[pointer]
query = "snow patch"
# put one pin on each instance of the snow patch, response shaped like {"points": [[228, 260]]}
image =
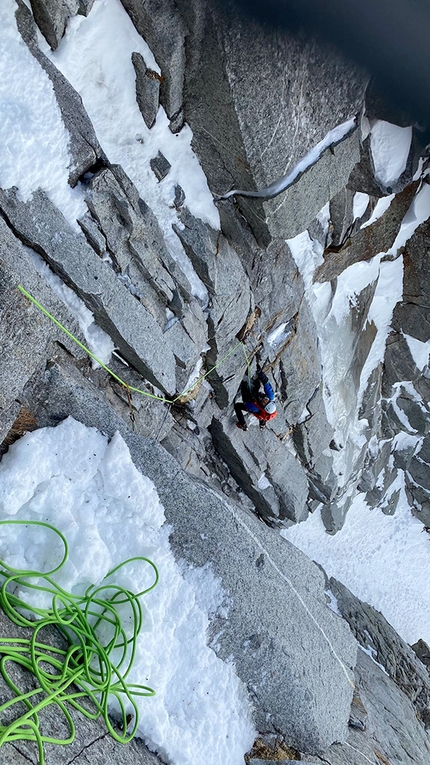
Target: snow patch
{"points": [[418, 213], [390, 146], [381, 206], [278, 335], [35, 143], [419, 351], [263, 482], [360, 204], [95, 56]]}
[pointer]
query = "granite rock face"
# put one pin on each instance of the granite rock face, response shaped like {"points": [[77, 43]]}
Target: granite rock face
{"points": [[218, 483], [116, 310], [278, 652], [27, 337], [162, 27], [147, 89], [51, 17], [392, 733], [389, 713], [397, 658], [247, 135]]}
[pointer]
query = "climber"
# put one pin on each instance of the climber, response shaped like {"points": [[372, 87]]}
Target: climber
{"points": [[261, 405]]}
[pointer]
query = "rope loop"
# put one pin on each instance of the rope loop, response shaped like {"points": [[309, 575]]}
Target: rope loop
{"points": [[94, 664]]}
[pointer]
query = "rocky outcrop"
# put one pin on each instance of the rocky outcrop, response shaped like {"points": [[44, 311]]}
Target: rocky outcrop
{"points": [[247, 135], [51, 17], [367, 241], [397, 658], [406, 387], [295, 655], [390, 709], [116, 310], [147, 89], [392, 734], [27, 336], [163, 29]]}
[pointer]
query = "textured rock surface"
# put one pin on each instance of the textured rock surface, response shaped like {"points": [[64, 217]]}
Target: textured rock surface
{"points": [[162, 28], [116, 310], [248, 136], [147, 89], [281, 669], [121, 266], [405, 387], [393, 734], [51, 17], [370, 240], [219, 267], [27, 336], [389, 713], [396, 657]]}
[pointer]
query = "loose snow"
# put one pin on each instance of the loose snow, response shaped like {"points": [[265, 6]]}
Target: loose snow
{"points": [[71, 477], [382, 559], [34, 141]]}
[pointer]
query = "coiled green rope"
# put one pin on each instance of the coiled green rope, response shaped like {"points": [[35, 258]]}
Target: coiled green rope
{"points": [[88, 668]]}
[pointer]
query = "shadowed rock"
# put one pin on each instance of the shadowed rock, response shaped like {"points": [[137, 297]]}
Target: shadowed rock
{"points": [[368, 241], [147, 89]]}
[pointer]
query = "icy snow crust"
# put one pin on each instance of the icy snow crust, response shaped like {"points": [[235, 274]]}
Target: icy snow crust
{"points": [[390, 146], [71, 477]]}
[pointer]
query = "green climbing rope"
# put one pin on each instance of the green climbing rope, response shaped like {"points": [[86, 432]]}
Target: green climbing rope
{"points": [[115, 376], [91, 669]]}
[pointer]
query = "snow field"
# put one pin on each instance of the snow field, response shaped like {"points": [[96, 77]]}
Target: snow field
{"points": [[383, 559], [71, 477]]}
